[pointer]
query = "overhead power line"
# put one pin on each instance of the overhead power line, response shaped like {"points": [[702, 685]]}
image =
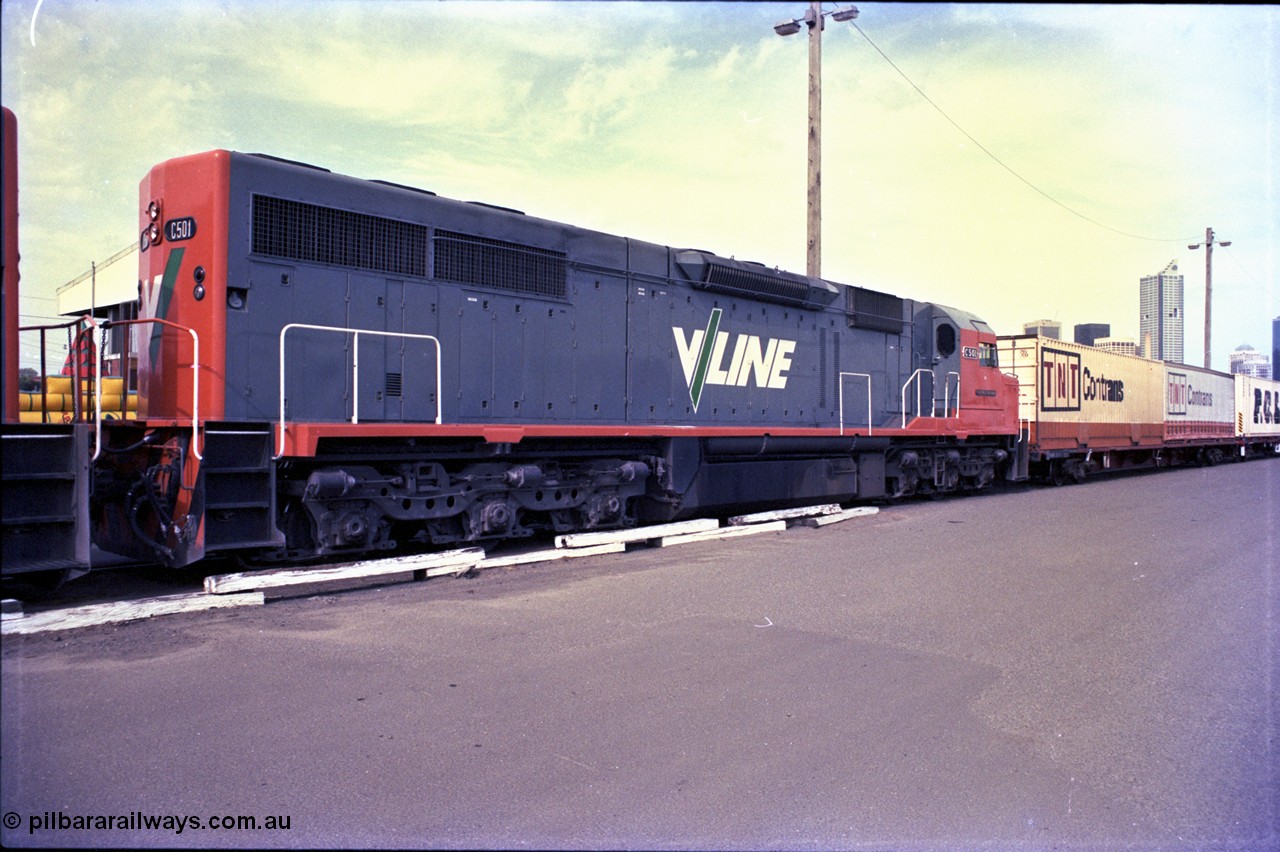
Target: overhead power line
{"points": [[1254, 282], [1003, 164]]}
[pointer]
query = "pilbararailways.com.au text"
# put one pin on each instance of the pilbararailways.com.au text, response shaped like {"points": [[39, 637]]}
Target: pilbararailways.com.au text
{"points": [[140, 821]]}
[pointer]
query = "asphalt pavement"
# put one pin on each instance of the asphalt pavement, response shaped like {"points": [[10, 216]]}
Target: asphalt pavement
{"points": [[1091, 666]]}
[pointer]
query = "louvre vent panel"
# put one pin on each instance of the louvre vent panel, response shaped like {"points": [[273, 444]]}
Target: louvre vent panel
{"points": [[295, 230], [876, 311], [499, 264], [739, 282]]}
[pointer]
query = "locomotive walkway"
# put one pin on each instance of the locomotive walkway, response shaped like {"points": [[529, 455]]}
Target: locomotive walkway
{"points": [[1090, 666]]}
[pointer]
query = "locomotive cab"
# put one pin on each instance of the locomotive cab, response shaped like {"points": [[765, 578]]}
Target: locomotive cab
{"points": [[955, 356], [956, 352]]}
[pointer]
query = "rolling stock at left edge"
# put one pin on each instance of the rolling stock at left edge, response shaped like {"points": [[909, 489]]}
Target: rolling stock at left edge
{"points": [[330, 366]]}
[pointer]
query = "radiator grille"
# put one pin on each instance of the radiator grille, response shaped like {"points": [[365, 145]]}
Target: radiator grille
{"points": [[295, 230], [869, 309], [740, 282], [500, 264]]}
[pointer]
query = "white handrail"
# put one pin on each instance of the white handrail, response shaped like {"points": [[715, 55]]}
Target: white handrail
{"points": [[906, 385], [866, 376], [946, 393], [195, 386], [355, 365]]}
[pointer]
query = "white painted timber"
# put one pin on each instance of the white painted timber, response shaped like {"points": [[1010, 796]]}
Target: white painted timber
{"points": [[548, 554], [724, 532], [116, 612], [784, 514], [590, 539], [433, 564], [859, 512]]}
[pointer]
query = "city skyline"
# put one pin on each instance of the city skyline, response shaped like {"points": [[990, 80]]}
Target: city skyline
{"points": [[684, 124]]}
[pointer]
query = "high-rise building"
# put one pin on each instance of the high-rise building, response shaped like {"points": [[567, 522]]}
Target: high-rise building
{"points": [[1160, 315], [1275, 349], [1089, 332], [1248, 361], [1123, 345], [1044, 328]]}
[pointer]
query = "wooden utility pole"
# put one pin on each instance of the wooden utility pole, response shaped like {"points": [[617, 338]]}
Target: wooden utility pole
{"points": [[813, 19], [1208, 286], [813, 265]]}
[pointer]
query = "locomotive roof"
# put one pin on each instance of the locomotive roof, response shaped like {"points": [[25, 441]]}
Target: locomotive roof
{"points": [[817, 291]]}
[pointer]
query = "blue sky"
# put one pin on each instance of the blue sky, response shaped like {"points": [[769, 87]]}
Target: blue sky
{"points": [[684, 124]]}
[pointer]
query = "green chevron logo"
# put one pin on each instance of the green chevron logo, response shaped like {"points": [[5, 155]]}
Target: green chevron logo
{"points": [[158, 299], [699, 378]]}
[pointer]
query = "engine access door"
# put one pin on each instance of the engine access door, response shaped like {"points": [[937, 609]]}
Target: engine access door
{"points": [[391, 364]]}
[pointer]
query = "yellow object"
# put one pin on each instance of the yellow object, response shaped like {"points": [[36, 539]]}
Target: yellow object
{"points": [[62, 384], [60, 416], [36, 401]]}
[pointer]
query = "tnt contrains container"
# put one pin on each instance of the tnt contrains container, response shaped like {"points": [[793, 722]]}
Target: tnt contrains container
{"points": [[1258, 412], [1082, 408], [1199, 406]]}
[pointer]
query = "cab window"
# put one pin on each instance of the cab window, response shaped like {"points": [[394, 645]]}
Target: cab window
{"points": [[946, 340], [987, 356]]}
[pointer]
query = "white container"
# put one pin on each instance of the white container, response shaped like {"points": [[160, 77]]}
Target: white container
{"points": [[1074, 396], [1199, 405], [1257, 407]]}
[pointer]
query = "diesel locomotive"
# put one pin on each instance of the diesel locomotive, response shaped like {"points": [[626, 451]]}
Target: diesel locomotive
{"points": [[329, 366]]}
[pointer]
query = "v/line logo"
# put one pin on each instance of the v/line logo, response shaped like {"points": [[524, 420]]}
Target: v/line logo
{"points": [[703, 351]]}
